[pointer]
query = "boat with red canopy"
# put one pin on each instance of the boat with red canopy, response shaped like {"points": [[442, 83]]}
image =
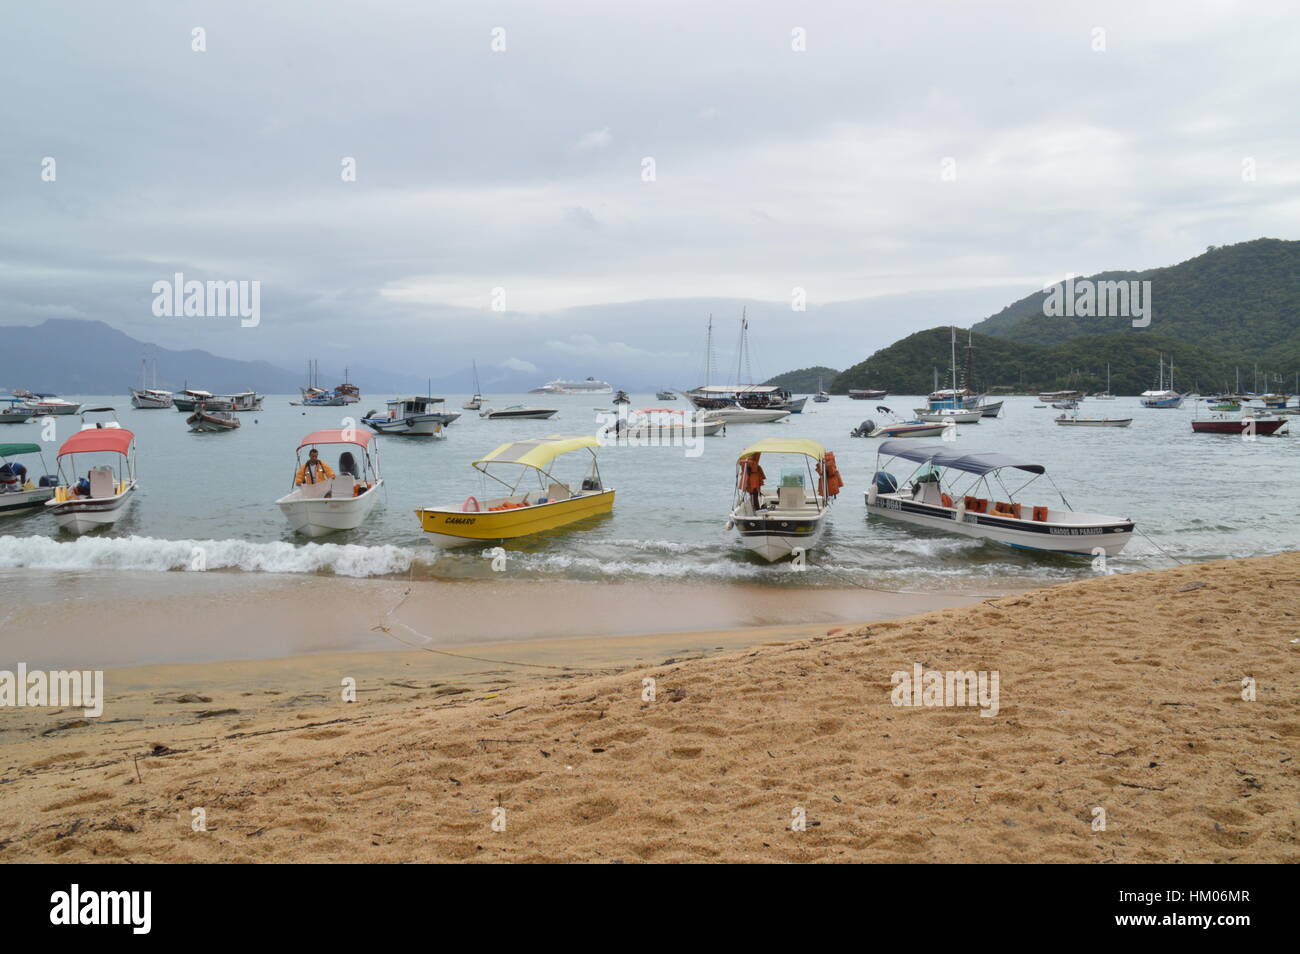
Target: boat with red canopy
{"points": [[325, 500], [100, 497]]}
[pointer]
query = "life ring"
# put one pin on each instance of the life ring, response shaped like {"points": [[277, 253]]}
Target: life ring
{"points": [[465, 507]]}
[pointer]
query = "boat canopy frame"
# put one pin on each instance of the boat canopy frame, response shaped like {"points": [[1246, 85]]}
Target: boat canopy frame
{"points": [[100, 440], [353, 437], [937, 460], [545, 455], [813, 454]]}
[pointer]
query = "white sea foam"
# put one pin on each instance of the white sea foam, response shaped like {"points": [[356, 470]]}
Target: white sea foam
{"points": [[148, 553]]}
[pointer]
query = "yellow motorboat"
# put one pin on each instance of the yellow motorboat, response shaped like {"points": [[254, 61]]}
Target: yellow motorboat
{"points": [[519, 513]]}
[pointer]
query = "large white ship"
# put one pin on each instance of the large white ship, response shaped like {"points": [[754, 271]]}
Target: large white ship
{"points": [[589, 386]]}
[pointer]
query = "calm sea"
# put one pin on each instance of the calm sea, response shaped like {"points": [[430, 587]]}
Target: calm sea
{"points": [[1198, 497]]}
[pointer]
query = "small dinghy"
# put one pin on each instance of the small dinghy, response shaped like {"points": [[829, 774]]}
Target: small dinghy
{"points": [[323, 501], [203, 421], [1074, 420]]}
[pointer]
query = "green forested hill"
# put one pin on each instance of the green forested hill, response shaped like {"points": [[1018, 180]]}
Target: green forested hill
{"points": [[1240, 302], [804, 381], [907, 366]]}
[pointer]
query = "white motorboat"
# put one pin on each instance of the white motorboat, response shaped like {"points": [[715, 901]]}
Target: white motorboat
{"points": [[518, 411], [417, 416], [896, 427], [324, 501], [47, 405], [658, 424], [778, 518], [742, 415], [923, 500], [101, 497], [18, 492]]}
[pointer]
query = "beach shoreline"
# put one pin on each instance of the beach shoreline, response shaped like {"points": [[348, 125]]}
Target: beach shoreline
{"points": [[1121, 693]]}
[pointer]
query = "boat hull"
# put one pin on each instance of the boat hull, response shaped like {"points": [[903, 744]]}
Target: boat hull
{"points": [[957, 417], [1077, 539], [23, 501], [743, 415], [321, 516], [448, 527], [776, 537], [1096, 422], [532, 415], [84, 514], [910, 430], [423, 425], [1238, 427]]}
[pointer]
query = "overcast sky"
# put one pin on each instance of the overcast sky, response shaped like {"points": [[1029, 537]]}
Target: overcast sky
{"points": [[523, 169]]}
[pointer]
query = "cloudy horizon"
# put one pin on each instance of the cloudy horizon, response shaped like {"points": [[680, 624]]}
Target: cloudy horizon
{"points": [[902, 171]]}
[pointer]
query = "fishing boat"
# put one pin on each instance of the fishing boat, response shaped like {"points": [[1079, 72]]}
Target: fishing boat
{"points": [[476, 402], [242, 401], [416, 416], [1060, 397], [659, 424], [941, 494], [325, 501], [187, 399], [775, 519], [203, 421], [518, 513], [867, 394], [1163, 397], [665, 396], [101, 497], [516, 412], [16, 412], [1074, 420], [18, 492], [735, 414], [896, 427]]}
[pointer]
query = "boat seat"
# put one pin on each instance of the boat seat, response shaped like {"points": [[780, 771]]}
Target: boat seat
{"points": [[1007, 509], [791, 498], [343, 484], [102, 483], [316, 490], [945, 499], [976, 504], [1040, 514], [558, 492]]}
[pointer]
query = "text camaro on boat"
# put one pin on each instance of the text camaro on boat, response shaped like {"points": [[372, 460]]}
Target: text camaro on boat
{"points": [[519, 513], [324, 500], [942, 494]]}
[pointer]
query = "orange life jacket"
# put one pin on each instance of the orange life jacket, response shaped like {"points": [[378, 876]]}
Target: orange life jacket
{"points": [[751, 475], [829, 481]]}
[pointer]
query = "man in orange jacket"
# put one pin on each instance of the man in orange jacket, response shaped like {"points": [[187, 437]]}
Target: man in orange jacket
{"points": [[314, 470]]}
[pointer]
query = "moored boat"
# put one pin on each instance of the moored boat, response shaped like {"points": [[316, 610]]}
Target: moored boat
{"points": [[324, 501], [1245, 425], [551, 505], [49, 405], [734, 414], [659, 424], [896, 427], [517, 411], [949, 415], [416, 416], [923, 500], [101, 497], [204, 421], [778, 518], [867, 394], [1074, 420], [19, 493]]}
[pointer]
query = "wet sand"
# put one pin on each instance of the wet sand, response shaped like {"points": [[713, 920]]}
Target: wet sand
{"points": [[1120, 693], [114, 618]]}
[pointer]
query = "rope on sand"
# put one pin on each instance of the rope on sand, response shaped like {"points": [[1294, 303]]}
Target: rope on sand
{"points": [[387, 630]]}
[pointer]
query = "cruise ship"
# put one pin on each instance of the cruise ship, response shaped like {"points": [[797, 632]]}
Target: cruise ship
{"points": [[589, 386]]}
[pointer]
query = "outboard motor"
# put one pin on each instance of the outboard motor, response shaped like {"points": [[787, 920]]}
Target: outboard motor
{"points": [[863, 430], [884, 482], [49, 480], [348, 465]]}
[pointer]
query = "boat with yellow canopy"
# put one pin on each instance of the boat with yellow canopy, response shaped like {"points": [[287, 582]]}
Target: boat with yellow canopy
{"points": [[786, 516], [521, 512]]}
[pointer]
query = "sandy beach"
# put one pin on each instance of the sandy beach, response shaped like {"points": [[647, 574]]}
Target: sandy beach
{"points": [[1120, 694]]}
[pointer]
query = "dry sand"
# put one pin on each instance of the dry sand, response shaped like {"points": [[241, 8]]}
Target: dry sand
{"points": [[1122, 693]]}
